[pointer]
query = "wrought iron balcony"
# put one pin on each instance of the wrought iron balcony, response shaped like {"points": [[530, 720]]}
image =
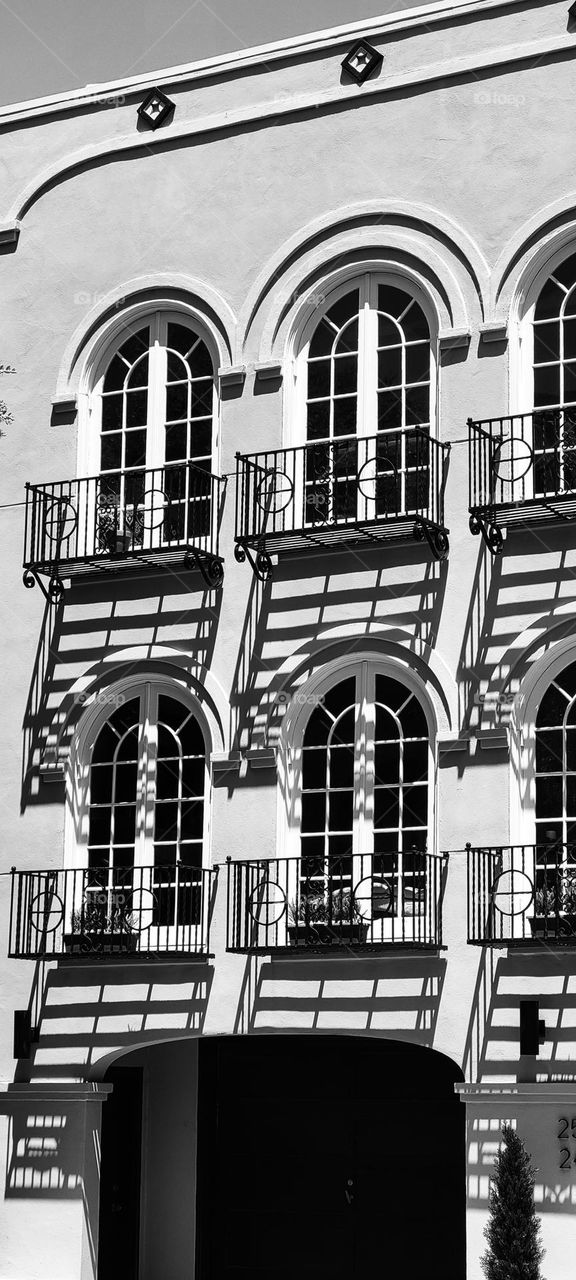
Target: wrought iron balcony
{"points": [[147, 911], [365, 491], [522, 471], [520, 894], [356, 903], [122, 523]]}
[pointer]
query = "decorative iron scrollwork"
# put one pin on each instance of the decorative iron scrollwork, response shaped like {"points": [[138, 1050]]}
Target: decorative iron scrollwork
{"points": [[491, 534], [436, 538]]}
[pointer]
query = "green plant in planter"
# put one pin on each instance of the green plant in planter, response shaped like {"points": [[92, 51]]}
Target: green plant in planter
{"points": [[97, 917], [568, 891]]}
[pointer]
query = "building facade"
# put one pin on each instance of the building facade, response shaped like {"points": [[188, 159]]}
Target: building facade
{"points": [[289, 735]]}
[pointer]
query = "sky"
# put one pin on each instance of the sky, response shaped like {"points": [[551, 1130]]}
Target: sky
{"points": [[48, 46]]}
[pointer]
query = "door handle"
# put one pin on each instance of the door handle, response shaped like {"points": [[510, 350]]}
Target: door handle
{"points": [[349, 1190]]}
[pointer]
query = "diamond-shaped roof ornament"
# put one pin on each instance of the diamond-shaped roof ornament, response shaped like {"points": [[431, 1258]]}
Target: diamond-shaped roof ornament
{"points": [[362, 61], [155, 109]]}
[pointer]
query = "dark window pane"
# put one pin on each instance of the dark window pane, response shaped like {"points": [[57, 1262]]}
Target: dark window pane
{"points": [[177, 368], [201, 439], [418, 363], [105, 745], [168, 778], [571, 796], [342, 767], [546, 342], [552, 707], [128, 749], [547, 384], [115, 374], [567, 680], [390, 368], [549, 301], [135, 345], [345, 374], [135, 448], [318, 422], [313, 811], [339, 698], [192, 820], [112, 412], [415, 761], [136, 408], [139, 374], [417, 405], [176, 401], [386, 807], [101, 784], [549, 754], [565, 272], [318, 379], [201, 361], [549, 797], [313, 767], [569, 383], [166, 821], [415, 324], [168, 744], [391, 300], [193, 775], [125, 788], [111, 452], [323, 339], [345, 416], [124, 824], [100, 820], [570, 751], [348, 340], [415, 807], [413, 719], [202, 400], [386, 725], [389, 410], [192, 738], [387, 762], [176, 442], [389, 332]]}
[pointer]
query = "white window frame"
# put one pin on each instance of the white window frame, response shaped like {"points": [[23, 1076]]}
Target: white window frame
{"points": [[367, 282]]}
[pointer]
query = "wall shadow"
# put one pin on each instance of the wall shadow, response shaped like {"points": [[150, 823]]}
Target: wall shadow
{"points": [[396, 996], [174, 608]]}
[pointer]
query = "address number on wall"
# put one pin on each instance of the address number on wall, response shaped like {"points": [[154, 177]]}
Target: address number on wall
{"points": [[567, 1132]]}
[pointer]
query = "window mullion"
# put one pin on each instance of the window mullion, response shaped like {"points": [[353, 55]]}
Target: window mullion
{"points": [[146, 794], [367, 362], [155, 444], [364, 779]]}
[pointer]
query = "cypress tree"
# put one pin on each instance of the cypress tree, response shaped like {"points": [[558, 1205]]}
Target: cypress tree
{"points": [[513, 1230]]}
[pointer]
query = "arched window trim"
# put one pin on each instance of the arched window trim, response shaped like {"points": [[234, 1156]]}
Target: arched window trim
{"points": [[521, 389], [292, 736], [101, 351], [77, 784], [327, 293]]}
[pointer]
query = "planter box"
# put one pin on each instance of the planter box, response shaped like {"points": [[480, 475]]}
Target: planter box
{"points": [[326, 935], [553, 926], [99, 943]]}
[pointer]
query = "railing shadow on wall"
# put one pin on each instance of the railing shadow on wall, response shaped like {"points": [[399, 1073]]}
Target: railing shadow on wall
{"points": [[396, 996], [547, 974], [89, 1011], [510, 591], [393, 588], [89, 621]]}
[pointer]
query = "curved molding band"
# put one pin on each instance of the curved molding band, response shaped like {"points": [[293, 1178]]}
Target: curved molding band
{"points": [[113, 309], [414, 229], [527, 252]]}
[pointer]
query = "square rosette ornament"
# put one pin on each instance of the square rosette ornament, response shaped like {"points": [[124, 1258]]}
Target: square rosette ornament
{"points": [[156, 109], [362, 61]]}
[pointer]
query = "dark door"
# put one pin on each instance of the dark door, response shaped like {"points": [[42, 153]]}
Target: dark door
{"points": [[119, 1230], [323, 1157]]}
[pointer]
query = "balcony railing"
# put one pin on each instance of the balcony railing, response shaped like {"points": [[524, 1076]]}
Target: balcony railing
{"points": [[356, 903], [522, 471], [519, 894], [364, 491], [123, 523], [92, 912]]}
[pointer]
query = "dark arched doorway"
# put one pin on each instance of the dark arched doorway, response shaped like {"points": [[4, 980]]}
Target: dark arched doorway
{"points": [[329, 1157]]}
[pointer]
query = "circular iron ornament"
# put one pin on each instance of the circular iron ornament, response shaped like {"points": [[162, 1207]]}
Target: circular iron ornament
{"points": [[46, 912], [267, 903], [374, 897], [512, 459], [275, 492], [138, 910], [371, 472], [152, 509], [61, 519], [512, 892]]}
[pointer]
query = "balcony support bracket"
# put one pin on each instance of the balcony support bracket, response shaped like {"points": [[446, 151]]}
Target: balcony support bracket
{"points": [[261, 563], [492, 535], [211, 568], [53, 592], [436, 537]]}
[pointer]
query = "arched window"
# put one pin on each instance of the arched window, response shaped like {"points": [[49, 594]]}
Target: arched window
{"points": [[367, 372], [365, 791], [556, 785], [152, 427], [554, 369], [145, 804]]}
